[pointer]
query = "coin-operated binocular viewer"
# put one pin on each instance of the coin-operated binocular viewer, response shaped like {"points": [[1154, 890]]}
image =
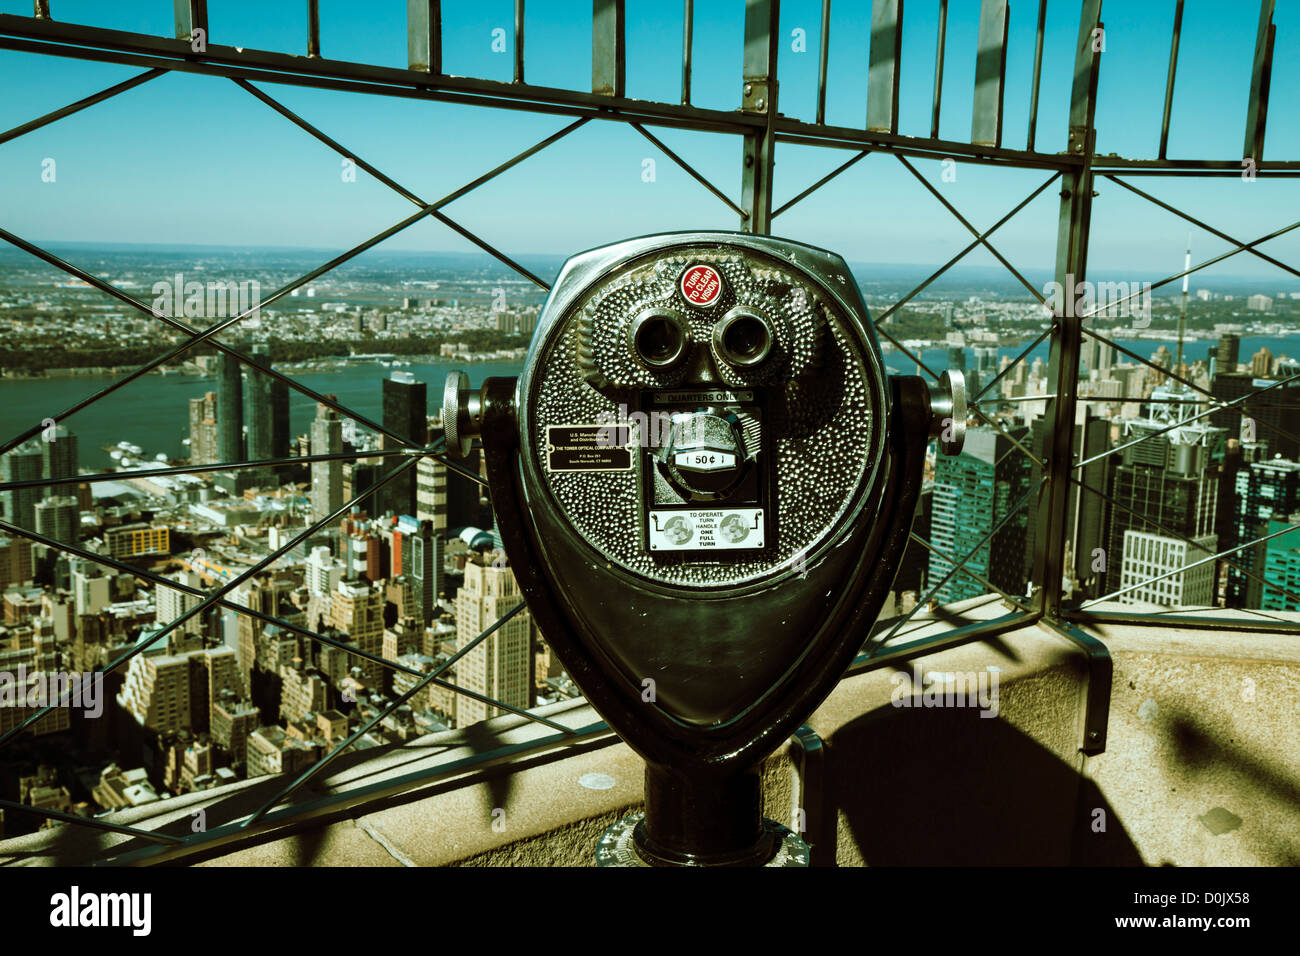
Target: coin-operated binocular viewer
{"points": [[705, 482]]}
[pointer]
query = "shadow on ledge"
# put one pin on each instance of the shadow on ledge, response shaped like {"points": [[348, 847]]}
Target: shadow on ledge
{"points": [[943, 786]]}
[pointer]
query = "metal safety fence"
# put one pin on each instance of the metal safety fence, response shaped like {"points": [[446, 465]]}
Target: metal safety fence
{"points": [[1058, 465]]}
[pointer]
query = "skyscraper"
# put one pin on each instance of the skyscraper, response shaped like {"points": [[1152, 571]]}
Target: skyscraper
{"points": [[405, 413], [1170, 478], [15, 560], [500, 666], [973, 492], [449, 500], [59, 459], [1156, 569], [1227, 354], [422, 565], [203, 430], [267, 411], [23, 463], [357, 609], [1273, 417], [157, 692], [171, 603], [230, 409], [326, 476], [1266, 491], [1281, 567], [59, 517]]}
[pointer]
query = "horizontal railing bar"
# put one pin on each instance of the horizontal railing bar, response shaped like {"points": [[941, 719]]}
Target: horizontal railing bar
{"points": [[361, 455], [80, 42], [191, 469], [372, 796], [90, 822], [1181, 618], [897, 653], [1200, 400], [1014, 398], [1191, 167], [96, 43]]}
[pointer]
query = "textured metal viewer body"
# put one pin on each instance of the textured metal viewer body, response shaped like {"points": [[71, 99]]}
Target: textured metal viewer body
{"points": [[705, 660]]}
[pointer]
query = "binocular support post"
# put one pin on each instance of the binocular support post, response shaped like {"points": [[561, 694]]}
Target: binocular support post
{"points": [[703, 799], [691, 819]]}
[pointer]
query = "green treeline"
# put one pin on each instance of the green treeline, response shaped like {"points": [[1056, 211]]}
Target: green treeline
{"points": [[33, 360]]}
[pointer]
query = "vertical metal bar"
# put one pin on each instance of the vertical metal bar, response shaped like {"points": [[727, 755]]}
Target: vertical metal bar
{"points": [[1038, 74], [1169, 83], [1063, 366], [824, 53], [759, 96], [938, 68], [990, 74], [424, 35], [688, 28], [191, 15], [42, 9], [313, 28], [1257, 106], [519, 41], [808, 795], [609, 47], [886, 50]]}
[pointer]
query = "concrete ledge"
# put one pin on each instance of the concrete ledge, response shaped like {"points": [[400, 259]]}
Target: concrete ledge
{"points": [[1202, 767], [1204, 764]]}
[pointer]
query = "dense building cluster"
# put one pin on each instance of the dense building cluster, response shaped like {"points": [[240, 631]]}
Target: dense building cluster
{"points": [[1194, 474], [396, 586]]}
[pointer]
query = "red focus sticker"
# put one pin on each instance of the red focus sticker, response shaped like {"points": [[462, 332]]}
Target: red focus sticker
{"points": [[701, 285]]}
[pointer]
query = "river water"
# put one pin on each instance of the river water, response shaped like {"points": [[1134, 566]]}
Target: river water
{"points": [[153, 412]]}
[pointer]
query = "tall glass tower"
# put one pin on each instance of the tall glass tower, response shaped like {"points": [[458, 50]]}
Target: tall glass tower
{"points": [[406, 412]]}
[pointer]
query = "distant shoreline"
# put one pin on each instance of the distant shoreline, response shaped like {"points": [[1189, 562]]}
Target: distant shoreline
{"points": [[321, 366]]}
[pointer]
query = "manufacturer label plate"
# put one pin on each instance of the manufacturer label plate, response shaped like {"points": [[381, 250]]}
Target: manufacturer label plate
{"points": [[588, 448]]}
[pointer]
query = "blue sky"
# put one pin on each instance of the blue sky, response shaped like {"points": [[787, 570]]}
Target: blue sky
{"points": [[190, 159]]}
